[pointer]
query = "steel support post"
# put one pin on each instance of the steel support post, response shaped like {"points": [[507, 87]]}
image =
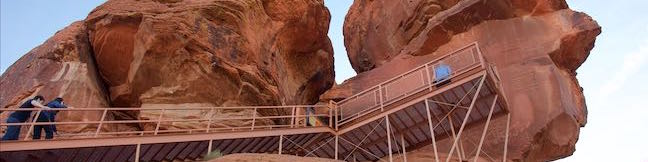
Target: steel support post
{"points": [[465, 120], [506, 138], [280, 144], [454, 135], [137, 152], [209, 147], [337, 142], [403, 147], [481, 140], [391, 159], [429, 116]]}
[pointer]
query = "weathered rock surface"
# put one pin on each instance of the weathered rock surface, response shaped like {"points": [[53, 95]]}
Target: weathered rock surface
{"points": [[219, 52], [535, 45], [183, 53], [61, 67], [376, 31]]}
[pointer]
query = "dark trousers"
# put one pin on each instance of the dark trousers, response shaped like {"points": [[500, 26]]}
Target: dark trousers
{"points": [[12, 131], [443, 82], [49, 133]]}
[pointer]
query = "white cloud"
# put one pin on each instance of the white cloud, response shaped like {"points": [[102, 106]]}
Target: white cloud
{"points": [[632, 62]]}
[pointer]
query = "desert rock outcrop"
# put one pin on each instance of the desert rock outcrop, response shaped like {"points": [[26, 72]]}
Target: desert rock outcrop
{"points": [[61, 67], [536, 47], [182, 53]]}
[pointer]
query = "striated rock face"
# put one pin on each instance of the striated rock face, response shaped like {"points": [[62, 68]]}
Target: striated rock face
{"points": [[212, 53], [215, 52], [183, 53], [61, 67], [536, 47], [376, 31]]}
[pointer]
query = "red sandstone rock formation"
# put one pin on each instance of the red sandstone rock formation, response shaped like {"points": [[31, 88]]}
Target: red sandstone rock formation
{"points": [[212, 52], [182, 53], [61, 67], [535, 45]]}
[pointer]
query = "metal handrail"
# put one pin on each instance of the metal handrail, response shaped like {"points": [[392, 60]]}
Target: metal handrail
{"points": [[381, 88], [334, 112], [164, 108], [296, 115]]}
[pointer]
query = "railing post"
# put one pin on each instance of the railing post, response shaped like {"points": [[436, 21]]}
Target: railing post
{"points": [[382, 108], [31, 128], [389, 146], [432, 78], [254, 117], [330, 107], [337, 120], [159, 120], [209, 121], [427, 73], [292, 117], [103, 116]]}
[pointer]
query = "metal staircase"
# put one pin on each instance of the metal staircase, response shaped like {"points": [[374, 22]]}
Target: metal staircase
{"points": [[391, 118]]}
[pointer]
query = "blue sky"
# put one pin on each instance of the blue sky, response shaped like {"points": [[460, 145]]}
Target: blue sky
{"points": [[613, 77]]}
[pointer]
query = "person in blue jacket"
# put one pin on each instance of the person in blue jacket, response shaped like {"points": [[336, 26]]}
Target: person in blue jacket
{"points": [[442, 74], [48, 116], [13, 131]]}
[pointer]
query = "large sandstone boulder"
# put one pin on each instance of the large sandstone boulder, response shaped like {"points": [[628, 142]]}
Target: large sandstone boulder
{"points": [[61, 67], [248, 52], [536, 47], [183, 53]]}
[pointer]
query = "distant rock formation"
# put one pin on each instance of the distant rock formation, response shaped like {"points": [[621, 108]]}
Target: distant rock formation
{"points": [[144, 53], [535, 45]]}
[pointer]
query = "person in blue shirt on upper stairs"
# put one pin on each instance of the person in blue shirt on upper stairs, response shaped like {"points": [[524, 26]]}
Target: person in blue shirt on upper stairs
{"points": [[442, 74]]}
